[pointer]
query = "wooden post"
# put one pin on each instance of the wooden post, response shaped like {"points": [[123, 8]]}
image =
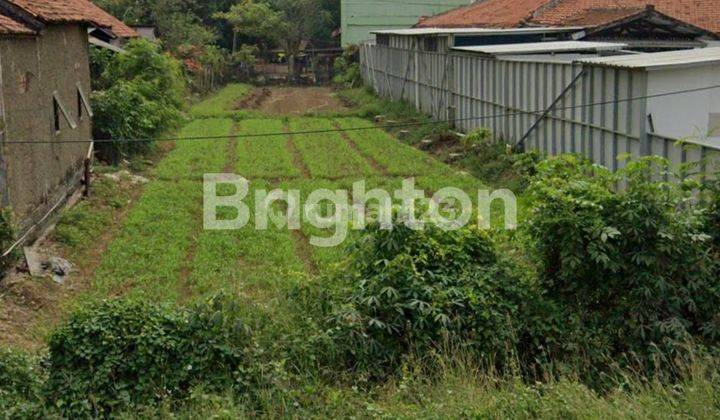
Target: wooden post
{"points": [[417, 74], [86, 170]]}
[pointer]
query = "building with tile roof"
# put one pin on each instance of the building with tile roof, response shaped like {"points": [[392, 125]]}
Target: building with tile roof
{"points": [[44, 103], [704, 14], [642, 26], [68, 11]]}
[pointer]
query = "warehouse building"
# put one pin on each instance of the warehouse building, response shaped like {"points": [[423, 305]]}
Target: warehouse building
{"points": [[360, 17], [591, 97]]}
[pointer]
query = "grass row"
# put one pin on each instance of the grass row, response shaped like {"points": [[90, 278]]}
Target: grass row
{"points": [[396, 158], [264, 157], [248, 262], [327, 155], [150, 252], [221, 104]]}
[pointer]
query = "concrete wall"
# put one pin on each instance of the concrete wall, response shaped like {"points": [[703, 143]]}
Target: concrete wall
{"points": [[694, 114], [36, 176], [359, 17]]}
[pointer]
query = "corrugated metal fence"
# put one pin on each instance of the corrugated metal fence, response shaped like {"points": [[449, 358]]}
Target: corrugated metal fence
{"points": [[554, 107]]}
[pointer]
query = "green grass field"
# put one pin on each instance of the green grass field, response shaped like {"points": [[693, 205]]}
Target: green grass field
{"points": [[163, 251]]}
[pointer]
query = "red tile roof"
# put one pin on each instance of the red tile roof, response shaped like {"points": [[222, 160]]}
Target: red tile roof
{"points": [[62, 11], [512, 13], [702, 13], [486, 13], [595, 17], [9, 26]]}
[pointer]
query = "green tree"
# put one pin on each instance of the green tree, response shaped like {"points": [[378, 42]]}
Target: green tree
{"points": [[252, 19], [143, 94], [286, 22], [301, 18]]}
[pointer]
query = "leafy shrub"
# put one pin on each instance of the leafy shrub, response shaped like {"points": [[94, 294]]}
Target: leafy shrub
{"points": [[407, 292], [121, 353], [143, 97], [144, 61], [630, 267], [525, 165], [100, 59], [713, 211], [7, 236], [476, 138], [124, 112], [22, 379], [497, 165], [347, 68], [19, 378]]}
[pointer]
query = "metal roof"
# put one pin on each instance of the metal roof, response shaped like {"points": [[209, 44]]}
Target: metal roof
{"points": [[563, 58], [683, 58], [543, 47], [476, 31]]}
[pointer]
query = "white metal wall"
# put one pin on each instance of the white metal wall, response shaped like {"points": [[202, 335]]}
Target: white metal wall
{"points": [[554, 107]]}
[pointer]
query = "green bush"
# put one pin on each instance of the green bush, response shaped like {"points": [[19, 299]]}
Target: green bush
{"points": [[144, 61], [123, 353], [347, 68], [7, 237], [100, 59], [124, 112], [407, 292], [481, 136], [630, 267], [143, 97], [21, 379], [713, 211]]}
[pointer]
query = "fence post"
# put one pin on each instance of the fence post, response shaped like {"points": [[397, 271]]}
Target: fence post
{"points": [[417, 75], [643, 134]]}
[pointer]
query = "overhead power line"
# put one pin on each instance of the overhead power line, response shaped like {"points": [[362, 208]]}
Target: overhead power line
{"points": [[372, 127]]}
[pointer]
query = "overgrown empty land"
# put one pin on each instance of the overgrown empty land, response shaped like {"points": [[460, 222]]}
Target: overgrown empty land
{"points": [[162, 250], [260, 323]]}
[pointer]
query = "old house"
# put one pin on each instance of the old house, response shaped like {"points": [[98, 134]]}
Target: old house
{"points": [[45, 113]]}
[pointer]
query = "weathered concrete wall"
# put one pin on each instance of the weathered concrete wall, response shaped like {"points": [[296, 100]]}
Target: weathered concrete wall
{"points": [[37, 176]]}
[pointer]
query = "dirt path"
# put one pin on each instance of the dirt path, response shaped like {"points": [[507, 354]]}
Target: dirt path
{"points": [[275, 101]]}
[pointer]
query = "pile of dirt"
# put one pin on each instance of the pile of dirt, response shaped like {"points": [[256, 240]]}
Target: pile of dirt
{"points": [[292, 101], [255, 99]]}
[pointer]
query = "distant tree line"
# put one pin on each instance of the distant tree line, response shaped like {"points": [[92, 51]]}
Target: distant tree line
{"points": [[213, 38]]}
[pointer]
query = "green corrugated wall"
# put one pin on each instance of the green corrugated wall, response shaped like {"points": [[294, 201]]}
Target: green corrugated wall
{"points": [[359, 17]]}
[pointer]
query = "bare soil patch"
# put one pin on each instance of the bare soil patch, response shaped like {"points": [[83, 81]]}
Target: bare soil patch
{"points": [[255, 99], [292, 101], [29, 307]]}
